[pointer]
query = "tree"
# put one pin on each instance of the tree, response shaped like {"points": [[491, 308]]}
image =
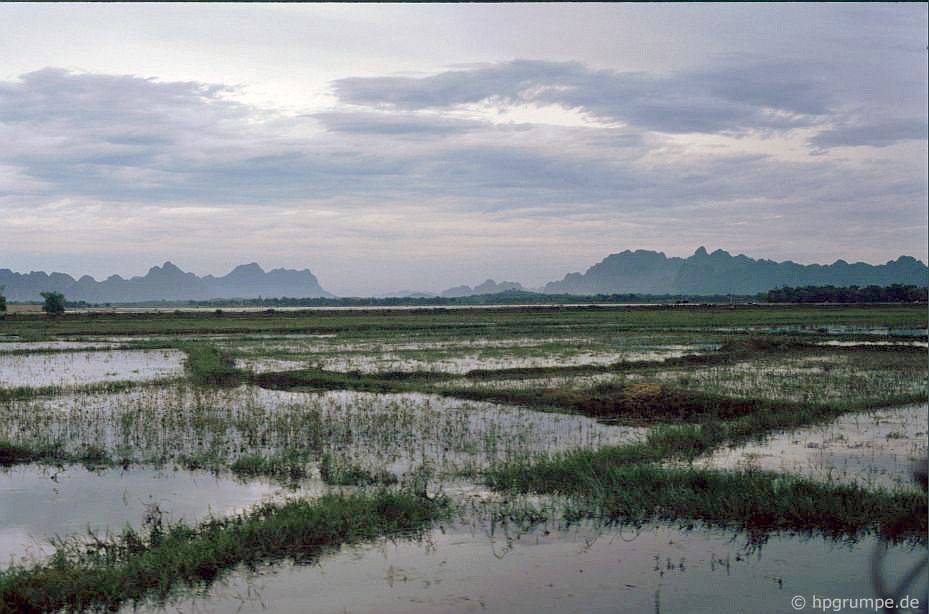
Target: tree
{"points": [[2, 303], [54, 303]]}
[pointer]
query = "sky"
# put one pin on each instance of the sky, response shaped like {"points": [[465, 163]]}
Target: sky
{"points": [[419, 147]]}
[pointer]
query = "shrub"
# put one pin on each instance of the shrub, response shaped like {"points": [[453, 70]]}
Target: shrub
{"points": [[54, 303]]}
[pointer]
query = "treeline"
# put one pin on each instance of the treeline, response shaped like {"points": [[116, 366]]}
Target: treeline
{"points": [[500, 298], [852, 294]]}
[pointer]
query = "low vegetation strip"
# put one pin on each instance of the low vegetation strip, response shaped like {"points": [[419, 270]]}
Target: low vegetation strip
{"points": [[502, 321], [629, 403], [207, 364], [669, 442], [756, 501], [103, 575], [22, 453]]}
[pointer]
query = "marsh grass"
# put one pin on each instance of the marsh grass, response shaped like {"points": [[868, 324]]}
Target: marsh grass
{"points": [[106, 573], [754, 501], [207, 364], [335, 472], [90, 456], [288, 464]]}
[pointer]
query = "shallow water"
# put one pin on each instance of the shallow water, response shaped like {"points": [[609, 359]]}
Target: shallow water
{"points": [[465, 363], [584, 569], [56, 345], [873, 449], [394, 431], [829, 329], [77, 368], [38, 502], [836, 376], [268, 365]]}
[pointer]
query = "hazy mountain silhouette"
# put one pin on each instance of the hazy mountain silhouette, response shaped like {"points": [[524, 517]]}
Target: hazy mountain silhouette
{"points": [[488, 287], [640, 271], [720, 272], [166, 282]]}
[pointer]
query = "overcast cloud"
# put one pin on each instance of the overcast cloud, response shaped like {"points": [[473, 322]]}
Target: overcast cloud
{"points": [[429, 146]]}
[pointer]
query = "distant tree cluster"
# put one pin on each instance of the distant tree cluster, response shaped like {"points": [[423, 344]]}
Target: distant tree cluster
{"points": [[852, 294], [512, 297], [2, 304], [54, 303]]}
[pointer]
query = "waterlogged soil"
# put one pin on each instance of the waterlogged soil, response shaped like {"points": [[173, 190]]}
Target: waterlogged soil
{"points": [[484, 567], [873, 449], [268, 365], [394, 431], [79, 368], [38, 503], [811, 378], [64, 345], [463, 355], [466, 363], [828, 329]]}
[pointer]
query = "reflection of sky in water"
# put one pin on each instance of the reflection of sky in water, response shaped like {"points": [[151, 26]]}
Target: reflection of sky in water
{"points": [[463, 364], [465, 569], [37, 503], [77, 368], [874, 449]]}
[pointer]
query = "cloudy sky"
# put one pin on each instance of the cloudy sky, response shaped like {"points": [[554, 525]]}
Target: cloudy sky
{"points": [[420, 147]]}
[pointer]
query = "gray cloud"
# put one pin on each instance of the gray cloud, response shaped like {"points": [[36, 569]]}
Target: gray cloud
{"points": [[879, 134], [765, 95], [85, 151], [398, 125]]}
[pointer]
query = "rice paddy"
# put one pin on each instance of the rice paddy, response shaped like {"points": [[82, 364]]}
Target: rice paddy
{"points": [[582, 456]]}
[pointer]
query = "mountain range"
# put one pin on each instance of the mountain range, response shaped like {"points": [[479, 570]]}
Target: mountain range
{"points": [[167, 282], [488, 287], [627, 272], [720, 272]]}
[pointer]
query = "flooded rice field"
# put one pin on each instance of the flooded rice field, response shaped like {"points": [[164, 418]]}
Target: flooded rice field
{"points": [[31, 346], [80, 368], [478, 568], [218, 430], [172, 423], [830, 329], [876, 449], [807, 378], [463, 355], [42, 502], [464, 364]]}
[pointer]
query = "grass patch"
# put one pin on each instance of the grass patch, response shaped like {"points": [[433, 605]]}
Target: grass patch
{"points": [[337, 473], [317, 379], [106, 574], [15, 454], [20, 453], [755, 501], [286, 464], [207, 364], [493, 321]]}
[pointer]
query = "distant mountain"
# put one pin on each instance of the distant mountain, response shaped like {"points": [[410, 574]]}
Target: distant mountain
{"points": [[488, 287], [166, 282], [410, 294], [720, 272]]}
